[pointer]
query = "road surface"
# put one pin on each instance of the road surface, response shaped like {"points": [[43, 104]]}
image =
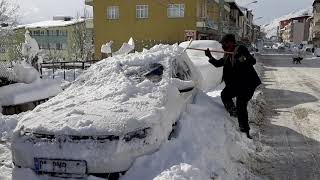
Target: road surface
{"points": [[290, 132]]}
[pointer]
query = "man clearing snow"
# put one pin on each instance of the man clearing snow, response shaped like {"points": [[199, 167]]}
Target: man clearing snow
{"points": [[240, 78]]}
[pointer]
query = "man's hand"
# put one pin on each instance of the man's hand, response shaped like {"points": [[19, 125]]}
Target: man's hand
{"points": [[208, 53], [243, 51]]}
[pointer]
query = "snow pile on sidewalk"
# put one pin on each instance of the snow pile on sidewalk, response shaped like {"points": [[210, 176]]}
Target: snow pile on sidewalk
{"points": [[7, 124], [207, 146]]}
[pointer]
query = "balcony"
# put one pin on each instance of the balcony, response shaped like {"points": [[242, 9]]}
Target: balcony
{"points": [[89, 2]]}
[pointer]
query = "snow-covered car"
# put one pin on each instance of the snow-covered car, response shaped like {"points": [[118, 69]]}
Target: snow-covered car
{"points": [[119, 109]]}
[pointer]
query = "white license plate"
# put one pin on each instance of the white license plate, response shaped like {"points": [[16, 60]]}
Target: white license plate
{"points": [[59, 166]]}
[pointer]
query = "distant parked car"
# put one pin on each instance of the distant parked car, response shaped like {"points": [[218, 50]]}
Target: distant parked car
{"points": [[317, 52], [119, 109]]}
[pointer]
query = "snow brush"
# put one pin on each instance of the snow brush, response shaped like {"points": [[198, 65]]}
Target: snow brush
{"points": [[216, 51]]}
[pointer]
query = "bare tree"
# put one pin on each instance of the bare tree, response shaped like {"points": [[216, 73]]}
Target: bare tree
{"points": [[8, 12], [10, 37], [82, 39]]}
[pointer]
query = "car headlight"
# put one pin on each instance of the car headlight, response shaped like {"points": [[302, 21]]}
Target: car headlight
{"points": [[139, 134]]}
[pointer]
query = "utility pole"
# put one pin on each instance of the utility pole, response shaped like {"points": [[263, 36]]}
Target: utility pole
{"points": [[221, 18]]}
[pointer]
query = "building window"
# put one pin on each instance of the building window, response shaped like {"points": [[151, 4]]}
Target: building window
{"points": [[176, 10], [64, 46], [113, 12], [57, 32], [2, 48], [142, 11]]}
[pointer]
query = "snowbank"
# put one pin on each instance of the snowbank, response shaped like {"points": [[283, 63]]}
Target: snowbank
{"points": [[180, 172], [211, 76], [26, 73], [7, 124], [207, 145]]}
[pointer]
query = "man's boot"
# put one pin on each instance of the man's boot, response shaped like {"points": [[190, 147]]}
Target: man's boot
{"points": [[247, 132]]}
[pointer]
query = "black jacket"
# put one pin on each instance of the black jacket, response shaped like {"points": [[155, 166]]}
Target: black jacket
{"points": [[238, 70]]}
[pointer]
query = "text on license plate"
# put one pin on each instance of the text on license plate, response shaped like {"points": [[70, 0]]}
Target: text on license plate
{"points": [[60, 166]]}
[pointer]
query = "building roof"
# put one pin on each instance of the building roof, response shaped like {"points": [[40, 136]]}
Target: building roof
{"points": [[234, 5], [53, 23]]}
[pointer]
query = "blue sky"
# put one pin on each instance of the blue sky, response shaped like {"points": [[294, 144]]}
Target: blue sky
{"points": [[37, 10]]}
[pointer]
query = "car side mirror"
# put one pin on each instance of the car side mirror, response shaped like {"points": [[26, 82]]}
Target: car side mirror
{"points": [[183, 86]]}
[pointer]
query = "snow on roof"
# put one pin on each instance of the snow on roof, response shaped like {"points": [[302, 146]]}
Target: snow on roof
{"points": [[271, 28], [20, 93], [53, 23]]}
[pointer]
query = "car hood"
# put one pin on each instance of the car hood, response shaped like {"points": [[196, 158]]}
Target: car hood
{"points": [[104, 101]]}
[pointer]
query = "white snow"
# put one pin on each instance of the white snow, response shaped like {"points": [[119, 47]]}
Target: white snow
{"points": [[7, 124], [207, 146], [30, 47], [125, 48], [109, 94], [106, 48], [24, 73], [182, 172], [271, 28], [20, 93], [211, 76], [53, 23]]}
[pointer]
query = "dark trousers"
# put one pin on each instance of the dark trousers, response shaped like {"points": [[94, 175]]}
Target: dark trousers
{"points": [[242, 99]]}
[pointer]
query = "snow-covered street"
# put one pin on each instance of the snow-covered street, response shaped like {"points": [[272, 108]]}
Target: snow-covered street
{"points": [[290, 131]]}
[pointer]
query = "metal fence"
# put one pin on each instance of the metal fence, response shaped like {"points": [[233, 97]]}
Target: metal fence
{"points": [[67, 65]]}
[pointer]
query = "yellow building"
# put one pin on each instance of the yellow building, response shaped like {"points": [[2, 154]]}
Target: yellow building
{"points": [[151, 22]]}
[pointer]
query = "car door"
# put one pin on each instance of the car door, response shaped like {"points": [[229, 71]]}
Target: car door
{"points": [[182, 71]]}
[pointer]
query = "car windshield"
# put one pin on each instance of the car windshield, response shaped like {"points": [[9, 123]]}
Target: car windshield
{"points": [[152, 72]]}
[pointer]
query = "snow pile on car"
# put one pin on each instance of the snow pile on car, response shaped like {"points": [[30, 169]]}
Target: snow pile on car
{"points": [[207, 146], [211, 76], [108, 98]]}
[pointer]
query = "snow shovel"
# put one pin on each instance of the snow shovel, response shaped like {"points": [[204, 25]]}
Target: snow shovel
{"points": [[217, 51]]}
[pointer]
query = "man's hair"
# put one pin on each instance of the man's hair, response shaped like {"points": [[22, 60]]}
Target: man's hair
{"points": [[228, 38]]}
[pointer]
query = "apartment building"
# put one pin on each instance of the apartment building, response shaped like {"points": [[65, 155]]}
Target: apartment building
{"points": [[236, 20], [60, 39], [295, 30], [152, 22]]}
